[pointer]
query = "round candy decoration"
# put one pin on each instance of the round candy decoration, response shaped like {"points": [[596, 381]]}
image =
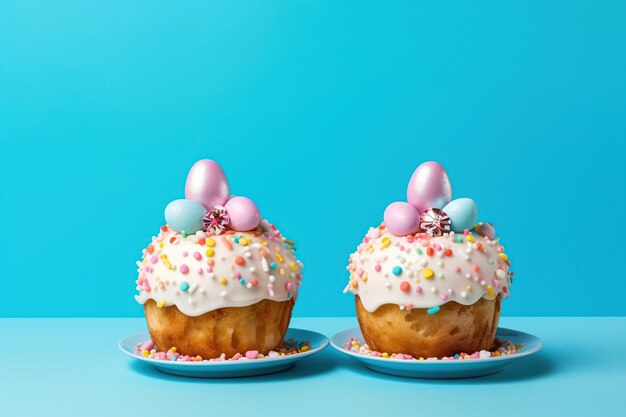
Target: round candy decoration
{"points": [[216, 221], [207, 184], [434, 222], [462, 212], [185, 215], [244, 214], [429, 187], [401, 219]]}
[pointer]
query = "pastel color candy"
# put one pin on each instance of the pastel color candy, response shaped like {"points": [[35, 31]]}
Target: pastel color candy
{"points": [[429, 187], [207, 184], [401, 219], [462, 212], [185, 215], [486, 229], [244, 214]]}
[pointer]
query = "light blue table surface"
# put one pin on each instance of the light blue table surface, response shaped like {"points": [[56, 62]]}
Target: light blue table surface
{"points": [[67, 367]]}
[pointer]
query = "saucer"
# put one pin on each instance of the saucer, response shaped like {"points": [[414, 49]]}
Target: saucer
{"points": [[228, 368], [441, 368]]}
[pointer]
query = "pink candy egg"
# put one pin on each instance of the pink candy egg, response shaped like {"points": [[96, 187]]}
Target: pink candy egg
{"points": [[401, 219], [429, 187], [207, 184], [244, 214]]}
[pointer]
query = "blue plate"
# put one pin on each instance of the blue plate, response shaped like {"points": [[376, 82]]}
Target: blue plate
{"points": [[438, 369], [228, 369]]}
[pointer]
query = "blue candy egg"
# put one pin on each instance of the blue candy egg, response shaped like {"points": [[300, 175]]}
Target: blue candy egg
{"points": [[185, 215], [463, 213]]}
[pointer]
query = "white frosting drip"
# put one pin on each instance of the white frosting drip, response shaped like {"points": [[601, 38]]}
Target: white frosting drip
{"points": [[247, 267], [474, 268]]}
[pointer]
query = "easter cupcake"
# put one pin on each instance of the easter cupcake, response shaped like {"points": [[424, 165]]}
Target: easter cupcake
{"points": [[217, 279], [429, 281]]}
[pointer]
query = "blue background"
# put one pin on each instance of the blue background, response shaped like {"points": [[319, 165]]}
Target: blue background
{"points": [[319, 111]]}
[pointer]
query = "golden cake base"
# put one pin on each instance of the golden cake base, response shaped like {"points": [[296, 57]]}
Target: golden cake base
{"points": [[453, 329], [229, 330]]}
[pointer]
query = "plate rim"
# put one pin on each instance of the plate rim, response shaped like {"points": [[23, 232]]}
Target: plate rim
{"points": [[439, 362], [267, 360]]}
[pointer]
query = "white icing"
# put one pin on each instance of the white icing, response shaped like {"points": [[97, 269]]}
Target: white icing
{"points": [[162, 271], [466, 276]]}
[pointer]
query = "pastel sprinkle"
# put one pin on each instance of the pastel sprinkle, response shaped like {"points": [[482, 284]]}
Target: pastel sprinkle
{"points": [[197, 256], [491, 292], [433, 310], [428, 273], [209, 252], [377, 268], [161, 303], [239, 260], [405, 286], [279, 257], [273, 265], [223, 281], [210, 242], [396, 270], [184, 286], [184, 269]]}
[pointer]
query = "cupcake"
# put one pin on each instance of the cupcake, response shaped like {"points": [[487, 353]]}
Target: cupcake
{"points": [[429, 281], [217, 279]]}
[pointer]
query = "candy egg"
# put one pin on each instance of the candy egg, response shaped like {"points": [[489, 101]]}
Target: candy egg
{"points": [[401, 219], [185, 215], [462, 212], [485, 229], [207, 184], [429, 187], [244, 214]]}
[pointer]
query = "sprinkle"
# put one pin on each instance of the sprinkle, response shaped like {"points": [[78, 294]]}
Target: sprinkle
{"points": [[492, 294], [503, 256], [418, 289], [279, 257], [433, 310], [184, 269], [458, 239], [293, 266], [227, 243], [476, 268], [469, 238], [210, 242], [272, 278], [273, 265], [419, 251], [167, 263], [239, 260], [430, 251], [244, 241], [266, 268], [396, 270], [427, 273], [150, 249], [197, 256], [463, 294], [161, 303], [448, 252], [209, 252], [377, 268], [385, 242], [184, 286], [405, 286], [223, 281]]}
